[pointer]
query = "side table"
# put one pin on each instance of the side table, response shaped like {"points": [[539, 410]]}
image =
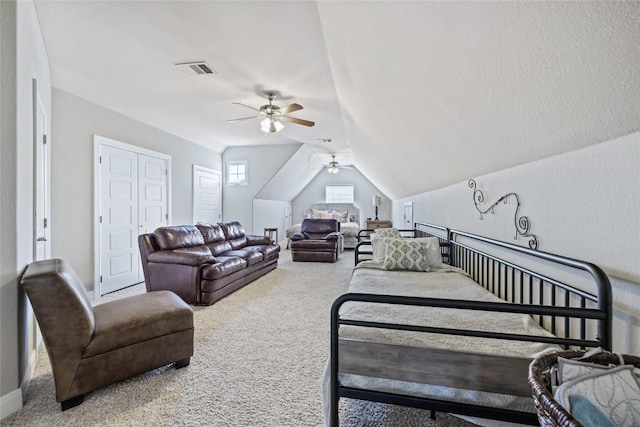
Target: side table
{"points": [[272, 233]]}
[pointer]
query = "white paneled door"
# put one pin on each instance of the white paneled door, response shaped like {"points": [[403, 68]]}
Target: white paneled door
{"points": [[133, 199], [206, 195]]}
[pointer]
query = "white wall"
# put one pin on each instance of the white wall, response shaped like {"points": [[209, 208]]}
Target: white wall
{"points": [[584, 204], [363, 190], [75, 121], [271, 216], [24, 58], [263, 162]]}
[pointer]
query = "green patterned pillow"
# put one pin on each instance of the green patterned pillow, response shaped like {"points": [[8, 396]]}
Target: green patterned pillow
{"points": [[387, 232], [405, 254]]}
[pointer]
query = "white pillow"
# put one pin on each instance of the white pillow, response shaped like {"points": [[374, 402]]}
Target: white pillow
{"points": [[405, 254], [377, 247], [432, 245], [614, 391]]}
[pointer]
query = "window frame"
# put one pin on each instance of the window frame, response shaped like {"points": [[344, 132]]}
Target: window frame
{"points": [[334, 200], [227, 172]]}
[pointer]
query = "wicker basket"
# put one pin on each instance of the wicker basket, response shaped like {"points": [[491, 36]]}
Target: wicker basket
{"points": [[550, 412]]}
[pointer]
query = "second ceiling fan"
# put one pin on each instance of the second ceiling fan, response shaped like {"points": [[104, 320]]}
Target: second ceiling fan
{"points": [[272, 115]]}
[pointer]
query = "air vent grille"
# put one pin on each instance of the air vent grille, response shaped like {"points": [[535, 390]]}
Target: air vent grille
{"points": [[196, 68], [324, 140]]}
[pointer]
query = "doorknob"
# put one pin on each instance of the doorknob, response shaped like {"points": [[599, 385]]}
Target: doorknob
{"points": [[41, 239]]}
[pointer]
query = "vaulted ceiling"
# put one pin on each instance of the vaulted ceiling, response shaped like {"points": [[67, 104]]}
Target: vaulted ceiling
{"points": [[418, 95]]}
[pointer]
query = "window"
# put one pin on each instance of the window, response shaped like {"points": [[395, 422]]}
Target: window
{"points": [[236, 173], [339, 194]]}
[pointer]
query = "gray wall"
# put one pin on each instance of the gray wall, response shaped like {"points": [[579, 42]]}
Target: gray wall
{"points": [[263, 162], [75, 121], [364, 191], [582, 204], [24, 59]]}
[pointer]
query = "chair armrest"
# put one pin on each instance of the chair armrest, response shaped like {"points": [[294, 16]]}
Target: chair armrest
{"points": [[184, 258], [333, 236], [298, 236], [257, 240]]}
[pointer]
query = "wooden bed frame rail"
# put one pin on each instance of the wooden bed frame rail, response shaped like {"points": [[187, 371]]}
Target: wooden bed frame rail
{"points": [[569, 313]]}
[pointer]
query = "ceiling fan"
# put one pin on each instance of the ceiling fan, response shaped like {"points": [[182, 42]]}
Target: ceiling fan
{"points": [[272, 116], [334, 167]]}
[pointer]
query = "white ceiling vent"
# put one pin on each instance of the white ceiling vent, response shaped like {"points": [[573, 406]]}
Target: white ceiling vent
{"points": [[195, 68], [324, 140]]}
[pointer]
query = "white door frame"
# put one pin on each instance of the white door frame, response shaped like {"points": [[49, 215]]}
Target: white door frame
{"points": [[42, 158], [97, 142]]}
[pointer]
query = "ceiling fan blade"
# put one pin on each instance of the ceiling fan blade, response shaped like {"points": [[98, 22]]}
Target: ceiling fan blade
{"points": [[244, 118], [291, 108], [245, 105], [296, 121]]}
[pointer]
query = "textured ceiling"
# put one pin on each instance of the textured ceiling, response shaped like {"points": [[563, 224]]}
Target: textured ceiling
{"points": [[418, 95]]}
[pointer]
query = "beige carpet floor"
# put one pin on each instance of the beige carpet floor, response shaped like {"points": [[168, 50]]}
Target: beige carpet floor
{"points": [[259, 358]]}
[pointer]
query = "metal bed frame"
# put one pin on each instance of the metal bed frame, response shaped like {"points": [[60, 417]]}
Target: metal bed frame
{"points": [[569, 313]]}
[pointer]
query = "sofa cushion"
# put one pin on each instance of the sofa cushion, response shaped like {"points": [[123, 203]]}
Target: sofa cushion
{"points": [[235, 234], [251, 254], [223, 266], [178, 236], [211, 233], [219, 248]]}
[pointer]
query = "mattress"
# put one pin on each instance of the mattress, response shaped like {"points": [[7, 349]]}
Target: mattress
{"points": [[447, 283]]}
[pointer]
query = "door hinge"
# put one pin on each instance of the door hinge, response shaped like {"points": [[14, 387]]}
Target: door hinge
{"points": [[101, 278], [100, 219], [166, 172], [45, 222], [100, 159], [44, 139], [166, 216]]}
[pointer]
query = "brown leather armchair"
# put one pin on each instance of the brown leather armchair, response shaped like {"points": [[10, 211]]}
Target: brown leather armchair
{"points": [[318, 240], [90, 347]]}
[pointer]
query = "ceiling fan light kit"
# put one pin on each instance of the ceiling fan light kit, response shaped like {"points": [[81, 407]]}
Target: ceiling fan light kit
{"points": [[272, 115]]}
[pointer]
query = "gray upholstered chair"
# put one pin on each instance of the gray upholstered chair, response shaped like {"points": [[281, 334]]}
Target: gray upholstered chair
{"points": [[90, 347], [318, 240]]}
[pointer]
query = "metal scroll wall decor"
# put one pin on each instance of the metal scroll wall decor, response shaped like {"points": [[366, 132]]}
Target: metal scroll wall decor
{"points": [[522, 224]]}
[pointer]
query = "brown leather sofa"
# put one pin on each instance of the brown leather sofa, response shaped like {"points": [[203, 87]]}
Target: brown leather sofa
{"points": [[90, 347], [205, 262], [317, 240]]}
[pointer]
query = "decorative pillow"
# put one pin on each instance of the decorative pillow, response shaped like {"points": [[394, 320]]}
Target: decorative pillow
{"points": [[405, 254], [388, 232], [614, 391], [569, 369], [340, 216], [378, 245], [432, 246], [587, 413]]}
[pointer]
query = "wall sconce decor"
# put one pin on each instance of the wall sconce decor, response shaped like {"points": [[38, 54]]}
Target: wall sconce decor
{"points": [[522, 224], [375, 201]]}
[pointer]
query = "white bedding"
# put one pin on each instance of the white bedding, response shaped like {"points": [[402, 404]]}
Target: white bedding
{"points": [[448, 282]]}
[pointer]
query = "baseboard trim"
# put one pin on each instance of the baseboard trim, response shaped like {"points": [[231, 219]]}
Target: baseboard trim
{"points": [[10, 403]]}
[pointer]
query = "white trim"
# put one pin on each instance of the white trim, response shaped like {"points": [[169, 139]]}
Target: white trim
{"points": [[10, 403], [97, 142]]}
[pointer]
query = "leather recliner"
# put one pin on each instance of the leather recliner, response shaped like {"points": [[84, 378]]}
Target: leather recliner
{"points": [[91, 347], [318, 240]]}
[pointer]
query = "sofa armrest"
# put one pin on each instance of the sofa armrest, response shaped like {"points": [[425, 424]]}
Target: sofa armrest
{"points": [[298, 236], [257, 240], [333, 236], [184, 258]]}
